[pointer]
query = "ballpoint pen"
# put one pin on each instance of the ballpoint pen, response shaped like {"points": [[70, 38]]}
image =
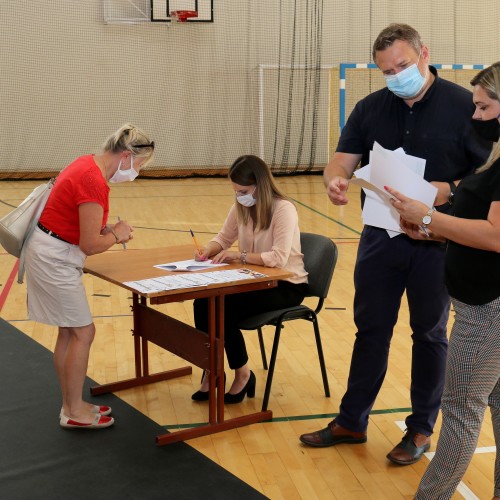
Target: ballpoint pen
{"points": [[424, 230], [123, 244], [197, 246]]}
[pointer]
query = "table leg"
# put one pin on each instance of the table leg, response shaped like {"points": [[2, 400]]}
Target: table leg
{"points": [[216, 325], [205, 430], [141, 355], [218, 352], [213, 372]]}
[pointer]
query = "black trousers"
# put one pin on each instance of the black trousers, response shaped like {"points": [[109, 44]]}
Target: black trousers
{"points": [[385, 269], [243, 305]]}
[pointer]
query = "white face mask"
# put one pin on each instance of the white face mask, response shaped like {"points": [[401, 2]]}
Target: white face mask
{"points": [[125, 175], [247, 200]]}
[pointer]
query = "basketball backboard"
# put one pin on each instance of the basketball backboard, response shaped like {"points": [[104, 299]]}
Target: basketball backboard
{"points": [[161, 10], [127, 11]]}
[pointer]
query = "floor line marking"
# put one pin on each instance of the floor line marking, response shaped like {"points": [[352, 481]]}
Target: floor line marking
{"points": [[326, 216], [295, 418], [8, 284]]}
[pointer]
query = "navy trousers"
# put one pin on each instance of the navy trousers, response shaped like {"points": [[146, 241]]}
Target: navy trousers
{"points": [[386, 268]]}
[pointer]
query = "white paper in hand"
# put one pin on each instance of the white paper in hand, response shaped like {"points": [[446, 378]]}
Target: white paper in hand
{"points": [[377, 210]]}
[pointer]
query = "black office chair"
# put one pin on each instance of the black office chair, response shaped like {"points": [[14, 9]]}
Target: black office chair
{"points": [[320, 258]]}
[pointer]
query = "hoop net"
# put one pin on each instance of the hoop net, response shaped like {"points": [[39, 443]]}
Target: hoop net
{"points": [[181, 16]]}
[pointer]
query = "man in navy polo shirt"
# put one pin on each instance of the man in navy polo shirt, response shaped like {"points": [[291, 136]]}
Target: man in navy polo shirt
{"points": [[430, 118]]}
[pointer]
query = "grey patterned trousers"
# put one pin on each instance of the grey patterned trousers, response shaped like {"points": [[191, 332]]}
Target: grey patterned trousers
{"points": [[471, 384]]}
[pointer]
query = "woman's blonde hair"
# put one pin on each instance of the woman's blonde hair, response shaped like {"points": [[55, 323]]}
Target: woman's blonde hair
{"points": [[489, 80], [130, 138], [249, 170]]}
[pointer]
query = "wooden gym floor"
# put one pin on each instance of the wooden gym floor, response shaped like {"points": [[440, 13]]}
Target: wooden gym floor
{"points": [[268, 456]]}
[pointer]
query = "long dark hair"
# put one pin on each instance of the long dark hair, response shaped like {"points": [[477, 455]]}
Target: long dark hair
{"points": [[249, 170]]}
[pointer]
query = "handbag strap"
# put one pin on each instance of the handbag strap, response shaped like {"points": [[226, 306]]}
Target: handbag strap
{"points": [[21, 269]]}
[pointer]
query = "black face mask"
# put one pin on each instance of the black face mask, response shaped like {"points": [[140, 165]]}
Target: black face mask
{"points": [[487, 129]]}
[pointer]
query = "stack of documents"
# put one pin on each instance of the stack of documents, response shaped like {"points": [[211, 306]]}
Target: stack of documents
{"points": [[191, 280], [398, 170]]}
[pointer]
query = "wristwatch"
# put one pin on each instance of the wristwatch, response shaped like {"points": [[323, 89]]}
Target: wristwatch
{"points": [[243, 257], [453, 188], [427, 218]]}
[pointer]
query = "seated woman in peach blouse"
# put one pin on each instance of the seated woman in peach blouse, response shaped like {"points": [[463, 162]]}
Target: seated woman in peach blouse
{"points": [[265, 224]]}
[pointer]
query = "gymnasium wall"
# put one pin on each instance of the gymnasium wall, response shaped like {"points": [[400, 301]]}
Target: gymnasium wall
{"points": [[257, 80]]}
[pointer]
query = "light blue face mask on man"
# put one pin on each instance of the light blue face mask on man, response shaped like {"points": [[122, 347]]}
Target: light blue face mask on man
{"points": [[407, 83]]}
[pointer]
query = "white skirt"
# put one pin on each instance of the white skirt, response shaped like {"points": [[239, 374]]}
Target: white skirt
{"points": [[56, 295]]}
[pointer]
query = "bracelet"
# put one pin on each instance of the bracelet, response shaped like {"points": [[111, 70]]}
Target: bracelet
{"points": [[243, 257], [114, 234]]}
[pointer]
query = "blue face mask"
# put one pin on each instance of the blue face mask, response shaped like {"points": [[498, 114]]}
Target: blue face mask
{"points": [[407, 83]]}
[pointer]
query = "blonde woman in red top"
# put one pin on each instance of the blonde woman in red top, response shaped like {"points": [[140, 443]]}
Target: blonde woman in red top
{"points": [[72, 226]]}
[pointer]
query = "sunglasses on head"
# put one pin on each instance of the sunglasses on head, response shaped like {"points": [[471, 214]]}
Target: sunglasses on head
{"points": [[150, 145]]}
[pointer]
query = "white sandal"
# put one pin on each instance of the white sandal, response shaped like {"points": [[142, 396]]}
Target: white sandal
{"points": [[99, 422], [103, 410]]}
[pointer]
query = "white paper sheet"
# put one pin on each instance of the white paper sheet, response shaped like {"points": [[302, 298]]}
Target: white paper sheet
{"points": [[414, 163], [189, 265], [377, 210], [365, 184], [179, 281], [390, 169], [398, 170]]}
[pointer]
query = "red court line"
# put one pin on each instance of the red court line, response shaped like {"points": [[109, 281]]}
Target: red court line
{"points": [[8, 284]]}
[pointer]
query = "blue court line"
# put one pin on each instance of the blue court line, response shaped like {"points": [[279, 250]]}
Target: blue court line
{"points": [[295, 418]]}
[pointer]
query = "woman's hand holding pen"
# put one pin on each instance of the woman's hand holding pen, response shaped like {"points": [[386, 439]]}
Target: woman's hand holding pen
{"points": [[205, 253], [414, 231], [123, 231], [199, 255]]}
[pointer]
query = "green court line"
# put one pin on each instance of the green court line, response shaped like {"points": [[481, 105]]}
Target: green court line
{"points": [[326, 216], [294, 419]]}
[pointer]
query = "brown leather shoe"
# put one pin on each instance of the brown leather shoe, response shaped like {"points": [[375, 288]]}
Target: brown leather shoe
{"points": [[333, 434], [410, 449]]}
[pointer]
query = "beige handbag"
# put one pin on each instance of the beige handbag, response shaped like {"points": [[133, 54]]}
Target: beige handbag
{"points": [[16, 227]]}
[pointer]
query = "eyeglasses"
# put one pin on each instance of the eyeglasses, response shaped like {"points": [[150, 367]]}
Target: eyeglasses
{"points": [[150, 145]]}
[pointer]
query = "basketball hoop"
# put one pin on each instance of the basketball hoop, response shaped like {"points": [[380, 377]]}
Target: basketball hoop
{"points": [[181, 16]]}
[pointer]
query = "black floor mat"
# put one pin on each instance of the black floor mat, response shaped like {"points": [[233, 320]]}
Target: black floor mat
{"points": [[40, 460]]}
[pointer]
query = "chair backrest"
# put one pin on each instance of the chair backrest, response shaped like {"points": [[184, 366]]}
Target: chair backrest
{"points": [[320, 258]]}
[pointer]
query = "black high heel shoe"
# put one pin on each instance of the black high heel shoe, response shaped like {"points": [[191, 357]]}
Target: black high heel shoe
{"points": [[203, 395], [248, 390]]}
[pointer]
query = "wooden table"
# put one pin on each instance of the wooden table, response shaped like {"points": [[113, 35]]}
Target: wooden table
{"points": [[150, 325]]}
